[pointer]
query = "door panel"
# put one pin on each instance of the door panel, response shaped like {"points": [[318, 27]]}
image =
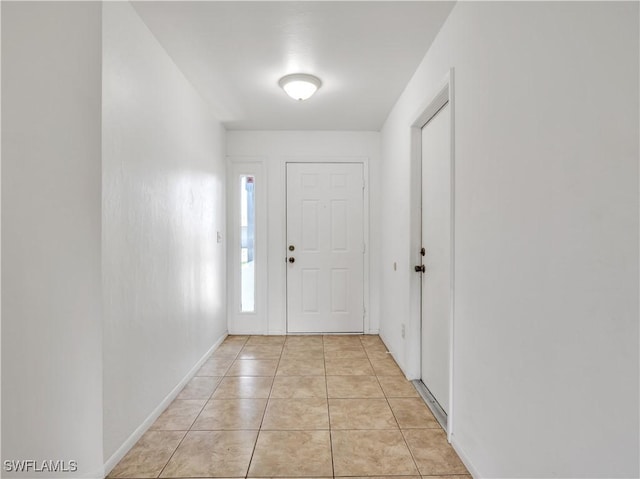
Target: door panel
{"points": [[339, 227], [325, 291], [310, 227], [436, 239]]}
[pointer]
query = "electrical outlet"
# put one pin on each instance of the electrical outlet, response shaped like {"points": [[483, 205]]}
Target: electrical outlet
{"points": [[403, 331]]}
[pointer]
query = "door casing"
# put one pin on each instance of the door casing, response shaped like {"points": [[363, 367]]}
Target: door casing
{"points": [[444, 94], [366, 225], [247, 322], [328, 167], [436, 287], [274, 207]]}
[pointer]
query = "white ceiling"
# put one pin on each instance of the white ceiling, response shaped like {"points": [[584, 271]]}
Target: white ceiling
{"points": [[235, 52]]}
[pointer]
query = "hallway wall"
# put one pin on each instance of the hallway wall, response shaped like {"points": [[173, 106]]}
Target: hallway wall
{"points": [[277, 147], [51, 293], [163, 202], [546, 306]]}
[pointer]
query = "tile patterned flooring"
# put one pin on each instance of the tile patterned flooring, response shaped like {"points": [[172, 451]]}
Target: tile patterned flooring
{"points": [[295, 406]]}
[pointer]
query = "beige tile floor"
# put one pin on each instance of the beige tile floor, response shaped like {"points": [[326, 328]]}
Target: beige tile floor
{"points": [[295, 406]]}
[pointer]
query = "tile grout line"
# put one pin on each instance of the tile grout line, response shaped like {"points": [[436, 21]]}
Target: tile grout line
{"points": [[189, 430], [219, 382], [395, 417], [172, 454], [266, 406], [326, 383], [330, 428]]}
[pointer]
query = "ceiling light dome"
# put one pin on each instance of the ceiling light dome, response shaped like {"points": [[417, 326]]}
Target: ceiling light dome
{"points": [[300, 86]]}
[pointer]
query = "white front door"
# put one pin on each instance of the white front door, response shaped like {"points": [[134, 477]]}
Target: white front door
{"points": [[436, 241], [325, 248]]}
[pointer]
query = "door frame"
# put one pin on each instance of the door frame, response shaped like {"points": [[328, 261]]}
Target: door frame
{"points": [[364, 161], [239, 322], [444, 94]]}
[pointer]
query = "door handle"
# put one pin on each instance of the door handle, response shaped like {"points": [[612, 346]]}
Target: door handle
{"points": [[292, 260], [420, 268]]}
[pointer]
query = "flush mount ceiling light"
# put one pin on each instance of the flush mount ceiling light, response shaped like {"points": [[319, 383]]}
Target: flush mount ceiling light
{"points": [[300, 86]]}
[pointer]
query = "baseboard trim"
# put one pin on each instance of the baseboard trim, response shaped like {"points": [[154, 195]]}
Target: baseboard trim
{"points": [[253, 332], [464, 458], [117, 456]]}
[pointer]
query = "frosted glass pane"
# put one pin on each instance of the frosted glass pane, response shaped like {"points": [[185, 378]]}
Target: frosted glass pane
{"points": [[247, 243]]}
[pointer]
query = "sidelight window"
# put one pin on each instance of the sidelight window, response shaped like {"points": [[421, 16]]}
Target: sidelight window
{"points": [[247, 243]]}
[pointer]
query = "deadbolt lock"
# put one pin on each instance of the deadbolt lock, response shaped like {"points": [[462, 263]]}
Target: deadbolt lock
{"points": [[291, 247]]}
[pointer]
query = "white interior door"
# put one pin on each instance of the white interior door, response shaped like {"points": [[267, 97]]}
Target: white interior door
{"points": [[436, 240], [325, 248]]}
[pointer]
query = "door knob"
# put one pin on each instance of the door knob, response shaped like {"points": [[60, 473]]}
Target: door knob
{"points": [[292, 260], [420, 268]]}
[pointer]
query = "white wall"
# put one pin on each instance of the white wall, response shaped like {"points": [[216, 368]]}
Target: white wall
{"points": [[277, 147], [51, 299], [1, 237], [546, 335], [163, 201]]}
